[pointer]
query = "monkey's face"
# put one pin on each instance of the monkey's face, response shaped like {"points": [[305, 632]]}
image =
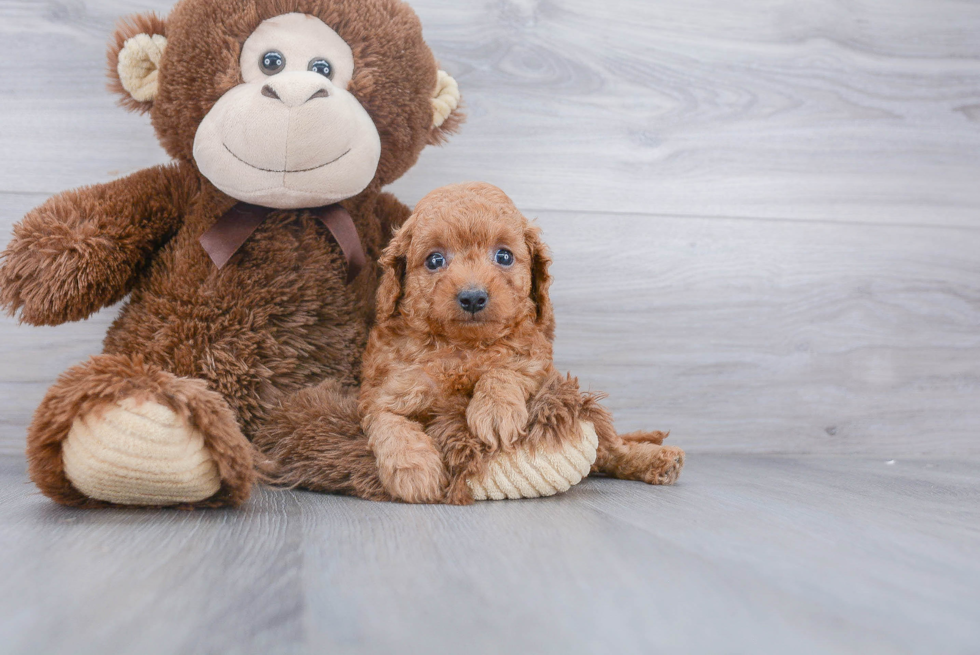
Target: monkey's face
{"points": [[291, 135], [287, 103]]}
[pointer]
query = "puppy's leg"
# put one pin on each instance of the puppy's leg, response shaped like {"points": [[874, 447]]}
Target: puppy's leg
{"points": [[641, 436], [553, 413], [633, 456], [409, 464], [497, 413], [465, 455]]}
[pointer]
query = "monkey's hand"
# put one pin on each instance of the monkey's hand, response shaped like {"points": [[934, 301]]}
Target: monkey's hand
{"points": [[82, 250]]}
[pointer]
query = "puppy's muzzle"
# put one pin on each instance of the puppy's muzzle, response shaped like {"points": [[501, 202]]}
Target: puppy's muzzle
{"points": [[473, 300]]}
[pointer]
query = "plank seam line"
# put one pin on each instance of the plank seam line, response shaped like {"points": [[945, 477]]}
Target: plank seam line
{"points": [[771, 219]]}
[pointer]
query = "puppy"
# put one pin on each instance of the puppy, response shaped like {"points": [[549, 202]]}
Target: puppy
{"points": [[459, 365]]}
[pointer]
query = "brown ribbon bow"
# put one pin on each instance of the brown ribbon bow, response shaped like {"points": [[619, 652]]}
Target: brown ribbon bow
{"points": [[226, 236]]}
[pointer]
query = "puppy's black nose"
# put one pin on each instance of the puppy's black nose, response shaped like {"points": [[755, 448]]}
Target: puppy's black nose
{"points": [[472, 300]]}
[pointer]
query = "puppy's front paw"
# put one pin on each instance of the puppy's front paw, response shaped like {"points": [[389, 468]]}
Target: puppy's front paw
{"points": [[417, 485], [410, 465], [414, 474], [497, 424]]}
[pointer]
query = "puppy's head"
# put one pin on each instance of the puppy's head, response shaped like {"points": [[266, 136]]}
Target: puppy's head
{"points": [[467, 265]]}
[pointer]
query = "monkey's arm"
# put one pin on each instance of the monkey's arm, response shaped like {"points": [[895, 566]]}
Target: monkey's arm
{"points": [[82, 250]]}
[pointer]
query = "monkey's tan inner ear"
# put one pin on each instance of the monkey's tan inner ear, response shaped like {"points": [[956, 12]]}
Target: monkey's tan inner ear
{"points": [[139, 65], [445, 100]]}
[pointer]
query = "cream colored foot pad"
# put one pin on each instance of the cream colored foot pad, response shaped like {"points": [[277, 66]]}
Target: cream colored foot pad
{"points": [[520, 475], [139, 454]]}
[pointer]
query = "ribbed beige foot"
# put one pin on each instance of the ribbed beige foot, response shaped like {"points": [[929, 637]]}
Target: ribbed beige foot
{"points": [[520, 475], [139, 453]]}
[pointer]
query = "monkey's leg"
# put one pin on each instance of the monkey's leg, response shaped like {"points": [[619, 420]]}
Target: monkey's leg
{"points": [[315, 441], [118, 431]]}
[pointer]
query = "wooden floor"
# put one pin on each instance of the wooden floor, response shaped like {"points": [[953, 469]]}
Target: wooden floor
{"points": [[748, 554], [765, 218]]}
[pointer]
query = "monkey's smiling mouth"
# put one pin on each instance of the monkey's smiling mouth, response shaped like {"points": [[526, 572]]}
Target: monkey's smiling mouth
{"points": [[271, 170]]}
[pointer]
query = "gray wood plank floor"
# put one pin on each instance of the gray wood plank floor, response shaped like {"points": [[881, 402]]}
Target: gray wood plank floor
{"points": [[765, 218], [747, 554]]}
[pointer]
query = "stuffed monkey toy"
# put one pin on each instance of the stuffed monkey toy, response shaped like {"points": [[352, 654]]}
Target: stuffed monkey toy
{"points": [[249, 262]]}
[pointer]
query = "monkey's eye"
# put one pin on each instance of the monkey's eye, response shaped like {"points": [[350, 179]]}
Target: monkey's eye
{"points": [[321, 66], [435, 261], [272, 62], [504, 257]]}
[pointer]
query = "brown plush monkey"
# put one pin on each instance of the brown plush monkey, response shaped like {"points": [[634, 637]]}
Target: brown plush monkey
{"points": [[249, 261]]}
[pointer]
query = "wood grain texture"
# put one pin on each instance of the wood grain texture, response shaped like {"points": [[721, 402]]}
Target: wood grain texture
{"points": [[747, 554], [862, 111], [764, 214], [774, 336], [858, 111]]}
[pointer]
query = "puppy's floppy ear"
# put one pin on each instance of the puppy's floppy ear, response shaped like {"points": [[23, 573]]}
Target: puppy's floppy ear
{"points": [[540, 279], [135, 52], [393, 266]]}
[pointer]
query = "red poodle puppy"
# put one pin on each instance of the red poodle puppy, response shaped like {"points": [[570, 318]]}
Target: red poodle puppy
{"points": [[459, 367]]}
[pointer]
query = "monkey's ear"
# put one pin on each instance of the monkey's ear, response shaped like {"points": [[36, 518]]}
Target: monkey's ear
{"points": [[446, 115], [393, 264], [135, 52]]}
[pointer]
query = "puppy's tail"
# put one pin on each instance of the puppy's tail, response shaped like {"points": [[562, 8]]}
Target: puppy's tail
{"points": [[314, 440]]}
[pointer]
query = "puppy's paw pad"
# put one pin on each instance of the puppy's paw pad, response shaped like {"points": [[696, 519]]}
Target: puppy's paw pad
{"points": [[417, 485], [511, 423], [497, 424], [415, 474], [480, 420]]}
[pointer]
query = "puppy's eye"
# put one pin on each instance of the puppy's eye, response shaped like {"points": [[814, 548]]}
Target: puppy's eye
{"points": [[504, 257], [272, 62], [435, 261], [321, 66]]}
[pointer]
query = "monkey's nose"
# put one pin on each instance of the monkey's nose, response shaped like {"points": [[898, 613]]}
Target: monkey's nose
{"points": [[473, 300], [269, 92], [294, 89]]}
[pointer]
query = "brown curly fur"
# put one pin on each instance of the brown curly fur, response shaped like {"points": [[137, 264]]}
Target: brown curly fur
{"points": [[443, 390], [321, 424], [243, 341]]}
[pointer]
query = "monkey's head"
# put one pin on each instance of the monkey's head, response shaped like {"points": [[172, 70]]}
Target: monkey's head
{"points": [[287, 103]]}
